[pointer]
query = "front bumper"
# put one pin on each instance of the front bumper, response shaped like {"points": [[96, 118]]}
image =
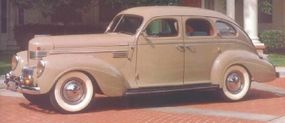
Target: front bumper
{"points": [[15, 83]]}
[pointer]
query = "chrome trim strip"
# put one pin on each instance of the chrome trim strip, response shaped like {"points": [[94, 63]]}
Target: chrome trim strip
{"points": [[84, 52], [37, 54], [122, 54], [25, 90]]}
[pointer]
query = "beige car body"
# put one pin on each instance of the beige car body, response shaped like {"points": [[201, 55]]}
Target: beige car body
{"points": [[118, 62]]}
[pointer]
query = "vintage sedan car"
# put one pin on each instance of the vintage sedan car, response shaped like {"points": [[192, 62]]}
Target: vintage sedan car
{"points": [[144, 50]]}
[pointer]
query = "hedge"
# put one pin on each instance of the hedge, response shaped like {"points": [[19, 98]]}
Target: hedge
{"points": [[274, 40]]}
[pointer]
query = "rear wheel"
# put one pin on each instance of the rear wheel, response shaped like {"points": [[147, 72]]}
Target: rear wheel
{"points": [[72, 93], [236, 83]]}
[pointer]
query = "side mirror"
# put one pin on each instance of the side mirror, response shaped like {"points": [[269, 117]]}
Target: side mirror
{"points": [[144, 35]]}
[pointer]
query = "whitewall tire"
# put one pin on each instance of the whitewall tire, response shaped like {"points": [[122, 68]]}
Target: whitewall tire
{"points": [[72, 93], [236, 83]]}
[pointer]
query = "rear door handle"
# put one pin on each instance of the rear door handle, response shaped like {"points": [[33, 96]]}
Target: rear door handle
{"points": [[180, 47], [189, 47]]}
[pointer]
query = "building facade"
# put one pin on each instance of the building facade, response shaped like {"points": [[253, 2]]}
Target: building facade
{"points": [[248, 13]]}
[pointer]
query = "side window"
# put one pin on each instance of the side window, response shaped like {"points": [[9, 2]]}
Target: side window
{"points": [[163, 28], [198, 27], [225, 29]]}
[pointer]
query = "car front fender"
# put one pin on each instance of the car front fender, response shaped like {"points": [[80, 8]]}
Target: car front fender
{"points": [[109, 79], [22, 61]]}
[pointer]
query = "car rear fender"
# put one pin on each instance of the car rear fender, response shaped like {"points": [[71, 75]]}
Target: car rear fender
{"points": [[259, 69]]}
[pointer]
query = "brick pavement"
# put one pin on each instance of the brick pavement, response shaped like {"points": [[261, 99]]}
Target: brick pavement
{"points": [[259, 106], [18, 110]]}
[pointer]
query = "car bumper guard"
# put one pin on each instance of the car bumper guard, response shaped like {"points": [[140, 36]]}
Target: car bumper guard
{"points": [[14, 83]]}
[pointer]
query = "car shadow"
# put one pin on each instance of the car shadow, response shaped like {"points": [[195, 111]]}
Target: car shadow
{"points": [[103, 103], [43, 108], [172, 100]]}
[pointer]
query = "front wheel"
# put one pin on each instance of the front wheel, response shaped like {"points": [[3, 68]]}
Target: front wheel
{"points": [[72, 93], [236, 83]]}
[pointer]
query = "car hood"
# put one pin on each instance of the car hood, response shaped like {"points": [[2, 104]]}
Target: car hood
{"points": [[45, 42]]}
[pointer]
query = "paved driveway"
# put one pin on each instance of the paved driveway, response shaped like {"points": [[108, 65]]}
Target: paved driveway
{"points": [[265, 103]]}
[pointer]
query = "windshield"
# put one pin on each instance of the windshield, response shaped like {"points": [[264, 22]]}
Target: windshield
{"points": [[128, 24]]}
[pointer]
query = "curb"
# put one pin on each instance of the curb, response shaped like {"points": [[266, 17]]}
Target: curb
{"points": [[2, 85], [281, 71]]}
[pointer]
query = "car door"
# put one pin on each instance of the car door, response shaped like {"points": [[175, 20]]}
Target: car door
{"points": [[160, 58], [200, 49]]}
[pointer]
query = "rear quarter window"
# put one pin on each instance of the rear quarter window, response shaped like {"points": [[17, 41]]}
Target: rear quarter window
{"points": [[225, 29]]}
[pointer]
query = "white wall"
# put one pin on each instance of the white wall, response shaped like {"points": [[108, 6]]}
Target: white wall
{"points": [[278, 17], [220, 6]]}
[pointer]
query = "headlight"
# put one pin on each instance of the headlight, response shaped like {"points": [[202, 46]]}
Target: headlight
{"points": [[40, 68], [14, 62]]}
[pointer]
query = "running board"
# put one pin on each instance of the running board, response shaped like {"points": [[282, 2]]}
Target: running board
{"points": [[153, 90]]}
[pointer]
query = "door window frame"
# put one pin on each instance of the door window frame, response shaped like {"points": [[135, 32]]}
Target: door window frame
{"points": [[165, 23], [179, 28], [211, 22]]}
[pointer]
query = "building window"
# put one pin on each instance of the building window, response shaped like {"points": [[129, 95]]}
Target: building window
{"points": [[4, 10], [192, 3], [265, 11], [209, 4]]}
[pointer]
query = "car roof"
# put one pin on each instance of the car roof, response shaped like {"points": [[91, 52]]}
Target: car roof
{"points": [[156, 11]]}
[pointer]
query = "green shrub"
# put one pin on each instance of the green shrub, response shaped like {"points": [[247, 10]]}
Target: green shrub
{"points": [[274, 40]]}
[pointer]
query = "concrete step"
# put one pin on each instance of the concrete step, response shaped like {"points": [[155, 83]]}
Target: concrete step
{"points": [[281, 71], [2, 85]]}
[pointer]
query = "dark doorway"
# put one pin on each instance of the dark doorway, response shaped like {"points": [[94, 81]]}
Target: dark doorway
{"points": [[3, 11]]}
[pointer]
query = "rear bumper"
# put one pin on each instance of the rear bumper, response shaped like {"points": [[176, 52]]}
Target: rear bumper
{"points": [[277, 75], [14, 83]]}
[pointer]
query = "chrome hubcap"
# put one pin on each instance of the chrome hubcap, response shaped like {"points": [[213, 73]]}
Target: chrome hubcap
{"points": [[235, 82], [73, 91]]}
